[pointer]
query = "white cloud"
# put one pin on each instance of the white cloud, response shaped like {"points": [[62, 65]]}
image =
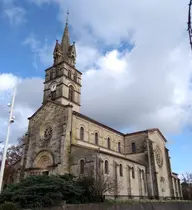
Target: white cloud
{"points": [[123, 96], [7, 81], [27, 101], [41, 51], [15, 14], [88, 57]]}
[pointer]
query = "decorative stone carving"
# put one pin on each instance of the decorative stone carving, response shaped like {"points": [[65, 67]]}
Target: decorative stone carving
{"points": [[43, 160], [46, 131], [159, 156], [64, 128]]}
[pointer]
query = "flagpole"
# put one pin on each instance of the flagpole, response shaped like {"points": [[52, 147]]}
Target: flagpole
{"points": [[11, 120]]}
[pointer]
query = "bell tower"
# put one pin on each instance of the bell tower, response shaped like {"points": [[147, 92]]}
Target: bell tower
{"points": [[62, 79]]}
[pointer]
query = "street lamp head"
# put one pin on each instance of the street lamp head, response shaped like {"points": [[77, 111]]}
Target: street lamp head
{"points": [[9, 104], [12, 120]]}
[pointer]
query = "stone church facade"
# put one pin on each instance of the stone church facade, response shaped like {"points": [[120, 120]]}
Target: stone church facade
{"points": [[62, 140]]}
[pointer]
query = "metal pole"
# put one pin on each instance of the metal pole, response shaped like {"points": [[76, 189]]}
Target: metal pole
{"points": [[150, 170], [7, 140]]}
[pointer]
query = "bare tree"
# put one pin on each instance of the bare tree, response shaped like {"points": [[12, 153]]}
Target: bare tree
{"points": [[99, 183], [14, 154], [105, 183], [187, 186]]}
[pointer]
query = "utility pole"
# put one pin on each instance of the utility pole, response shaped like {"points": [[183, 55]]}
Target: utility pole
{"points": [[11, 120]]}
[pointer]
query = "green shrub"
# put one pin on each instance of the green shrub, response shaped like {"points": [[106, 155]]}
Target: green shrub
{"points": [[8, 206], [43, 191]]}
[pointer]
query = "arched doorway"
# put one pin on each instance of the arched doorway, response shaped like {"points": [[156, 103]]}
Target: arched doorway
{"points": [[43, 161]]}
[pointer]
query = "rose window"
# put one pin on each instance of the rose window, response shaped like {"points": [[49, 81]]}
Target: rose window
{"points": [[48, 133], [158, 156]]}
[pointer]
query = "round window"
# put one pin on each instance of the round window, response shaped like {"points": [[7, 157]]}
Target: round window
{"points": [[159, 156]]}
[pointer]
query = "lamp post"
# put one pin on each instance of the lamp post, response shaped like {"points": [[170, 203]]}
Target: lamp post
{"points": [[11, 120], [189, 24]]}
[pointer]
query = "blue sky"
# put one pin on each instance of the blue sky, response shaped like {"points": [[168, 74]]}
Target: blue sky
{"points": [[137, 64], [44, 26]]}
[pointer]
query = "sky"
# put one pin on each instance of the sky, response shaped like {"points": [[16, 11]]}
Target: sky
{"points": [[134, 55]]}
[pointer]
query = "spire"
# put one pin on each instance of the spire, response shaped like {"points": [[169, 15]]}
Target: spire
{"points": [[65, 43]]}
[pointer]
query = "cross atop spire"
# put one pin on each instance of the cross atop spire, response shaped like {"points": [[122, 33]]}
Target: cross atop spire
{"points": [[67, 17]]}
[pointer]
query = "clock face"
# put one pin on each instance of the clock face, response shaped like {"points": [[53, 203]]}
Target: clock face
{"points": [[53, 87]]}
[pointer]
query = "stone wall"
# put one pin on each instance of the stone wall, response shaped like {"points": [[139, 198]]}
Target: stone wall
{"points": [[144, 206]]}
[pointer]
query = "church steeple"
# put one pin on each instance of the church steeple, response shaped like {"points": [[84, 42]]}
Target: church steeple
{"points": [[65, 51], [62, 80]]}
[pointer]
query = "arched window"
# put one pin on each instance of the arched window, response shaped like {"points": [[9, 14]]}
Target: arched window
{"points": [[133, 172], [106, 167], [119, 147], [108, 143], [71, 93], [96, 138], [81, 133], [75, 76], [69, 74], [133, 145], [143, 174], [120, 170], [82, 166]]}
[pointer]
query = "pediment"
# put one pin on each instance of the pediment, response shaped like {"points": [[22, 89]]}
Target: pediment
{"points": [[47, 106], [158, 133]]}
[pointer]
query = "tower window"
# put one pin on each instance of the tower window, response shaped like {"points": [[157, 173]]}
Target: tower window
{"points": [[96, 138], [133, 173], [51, 75], [53, 95], [71, 93], [119, 147], [75, 76], [133, 145], [82, 166], [108, 143], [120, 170], [81, 133], [106, 167], [69, 74], [57, 73]]}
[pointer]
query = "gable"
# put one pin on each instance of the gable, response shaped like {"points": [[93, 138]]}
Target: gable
{"points": [[48, 105], [157, 133]]}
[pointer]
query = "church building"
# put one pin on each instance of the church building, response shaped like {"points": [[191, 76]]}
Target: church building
{"points": [[60, 139]]}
